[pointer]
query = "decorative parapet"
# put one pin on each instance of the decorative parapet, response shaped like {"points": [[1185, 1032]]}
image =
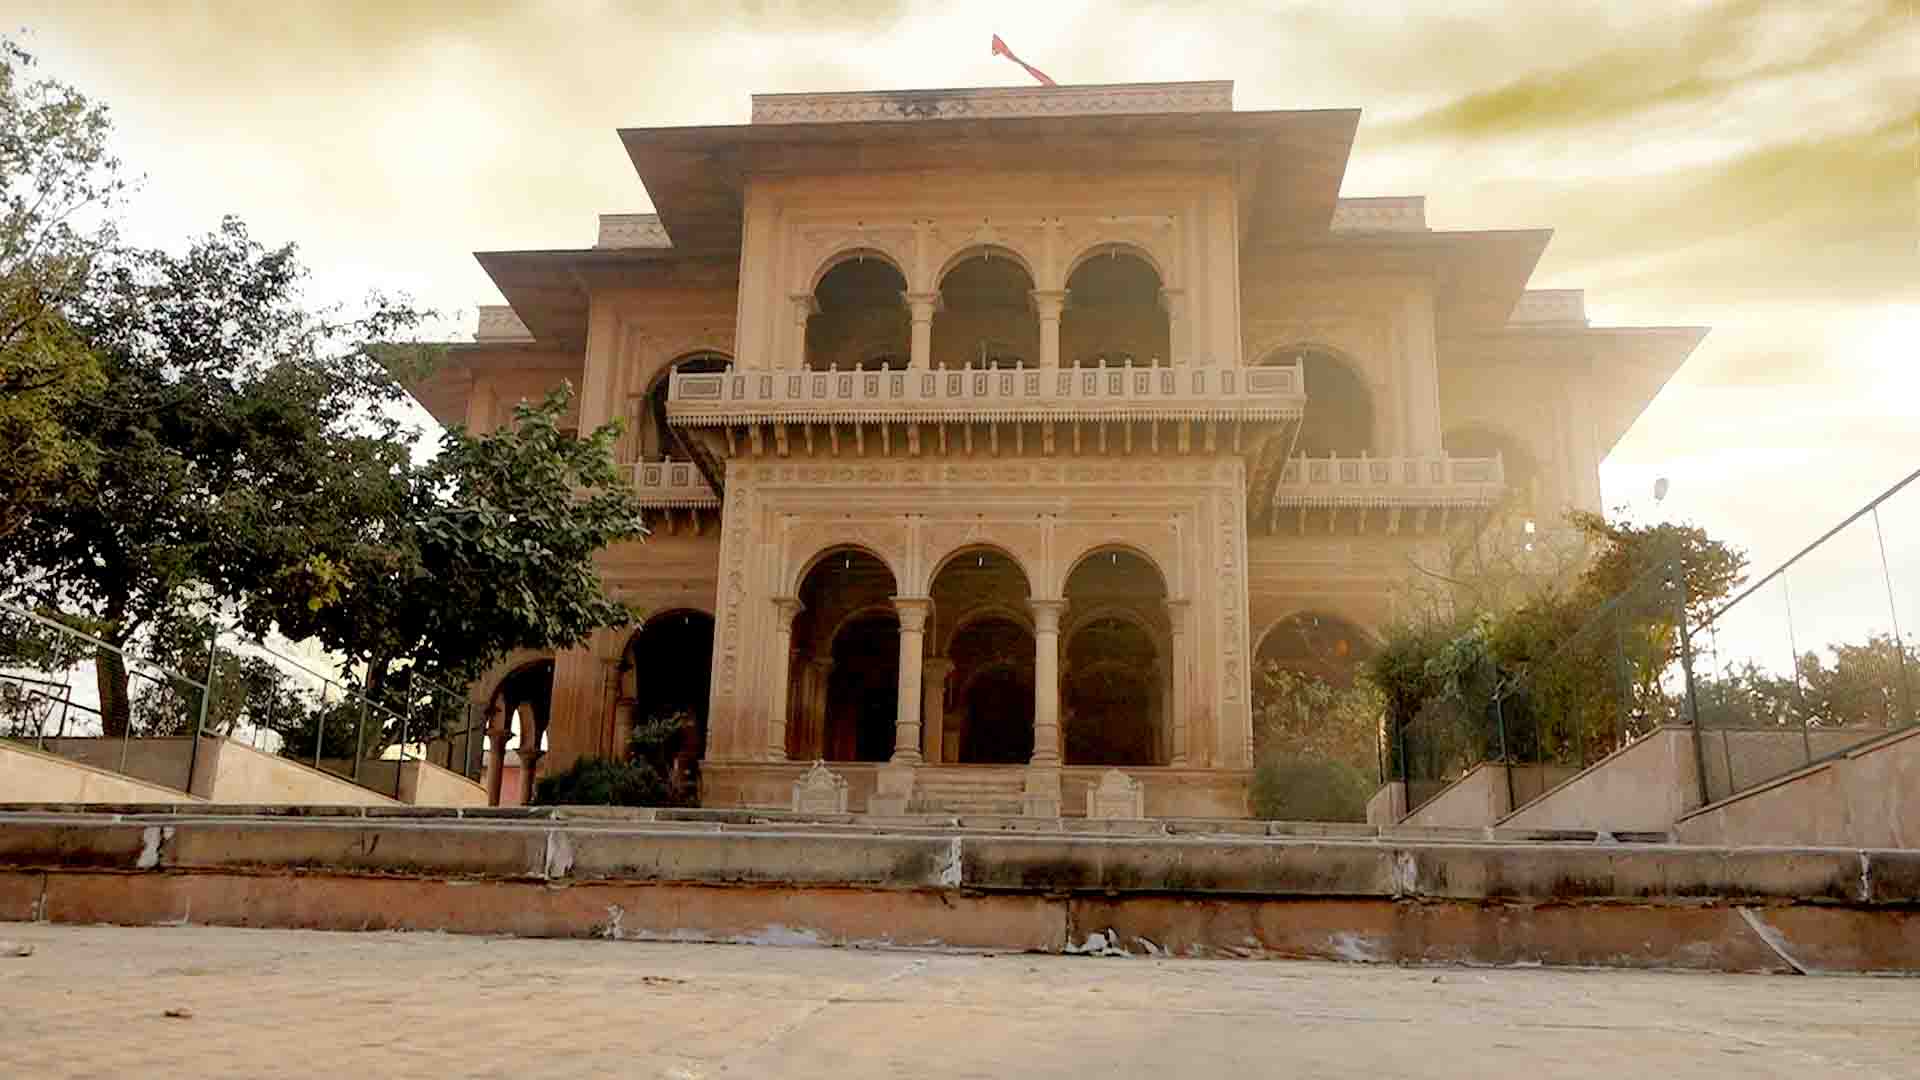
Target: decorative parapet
{"points": [[1364, 482], [993, 102], [1550, 307], [632, 231], [498, 323], [671, 485], [1271, 393], [1397, 214]]}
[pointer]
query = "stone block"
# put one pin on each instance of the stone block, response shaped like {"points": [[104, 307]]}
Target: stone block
{"points": [[820, 790], [1041, 796], [1117, 795], [893, 791]]}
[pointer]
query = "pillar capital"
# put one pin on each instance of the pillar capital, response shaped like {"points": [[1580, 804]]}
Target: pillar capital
{"points": [[913, 612], [938, 667], [922, 304], [804, 305], [1047, 303], [785, 608], [1046, 615], [1177, 608]]}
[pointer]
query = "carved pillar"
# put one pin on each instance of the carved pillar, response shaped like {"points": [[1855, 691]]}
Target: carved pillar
{"points": [[1175, 303], [496, 753], [804, 308], [784, 609], [1046, 680], [529, 772], [922, 306], [623, 710], [1047, 304], [933, 706], [822, 668], [906, 725], [1182, 706]]}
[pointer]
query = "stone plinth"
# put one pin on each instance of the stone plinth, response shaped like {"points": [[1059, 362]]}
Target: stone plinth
{"points": [[820, 791], [1117, 795]]}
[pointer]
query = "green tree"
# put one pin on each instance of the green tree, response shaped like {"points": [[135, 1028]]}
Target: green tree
{"points": [[57, 181], [218, 434]]}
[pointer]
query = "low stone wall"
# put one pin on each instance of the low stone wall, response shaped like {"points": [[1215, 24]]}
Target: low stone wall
{"points": [[426, 784], [709, 880], [163, 761], [1739, 758], [1867, 797], [1643, 787], [29, 775], [1170, 792], [1488, 792], [241, 774]]}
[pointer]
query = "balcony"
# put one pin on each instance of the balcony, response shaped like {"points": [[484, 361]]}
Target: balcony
{"points": [[985, 395], [1400, 494], [671, 485]]}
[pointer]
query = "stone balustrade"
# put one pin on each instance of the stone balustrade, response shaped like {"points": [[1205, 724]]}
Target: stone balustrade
{"points": [[669, 484], [1272, 393], [1389, 481]]}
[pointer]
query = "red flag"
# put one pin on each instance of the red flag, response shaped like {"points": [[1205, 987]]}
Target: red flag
{"points": [[1000, 49]]}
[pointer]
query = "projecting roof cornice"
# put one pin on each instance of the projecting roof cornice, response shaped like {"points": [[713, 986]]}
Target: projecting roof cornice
{"points": [[549, 289], [1479, 276], [1289, 163]]}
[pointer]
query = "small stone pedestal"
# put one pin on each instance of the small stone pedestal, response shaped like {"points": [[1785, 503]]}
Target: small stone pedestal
{"points": [[893, 791], [1042, 795], [1117, 795], [820, 790]]}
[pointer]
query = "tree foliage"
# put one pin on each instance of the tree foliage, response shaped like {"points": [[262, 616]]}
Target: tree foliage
{"points": [[57, 180]]}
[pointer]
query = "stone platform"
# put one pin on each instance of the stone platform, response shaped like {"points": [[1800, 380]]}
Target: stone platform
{"points": [[1148, 887]]}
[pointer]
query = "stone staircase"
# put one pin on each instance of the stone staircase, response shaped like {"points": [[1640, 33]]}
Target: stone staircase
{"points": [[979, 789]]}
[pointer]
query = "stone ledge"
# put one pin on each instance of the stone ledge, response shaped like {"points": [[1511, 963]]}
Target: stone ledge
{"points": [[785, 853]]}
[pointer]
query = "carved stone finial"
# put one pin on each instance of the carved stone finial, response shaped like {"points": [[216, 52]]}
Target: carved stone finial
{"points": [[1117, 795], [820, 790]]}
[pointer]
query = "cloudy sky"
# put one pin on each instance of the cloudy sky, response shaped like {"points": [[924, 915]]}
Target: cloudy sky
{"points": [[1750, 166]]}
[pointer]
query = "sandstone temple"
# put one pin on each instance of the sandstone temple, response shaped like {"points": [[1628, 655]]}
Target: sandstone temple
{"points": [[992, 438]]}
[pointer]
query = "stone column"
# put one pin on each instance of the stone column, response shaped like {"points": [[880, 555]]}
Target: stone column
{"points": [[623, 710], [497, 735], [1046, 681], [922, 306], [784, 609], [933, 706], [906, 725], [1178, 662], [1047, 304], [822, 667], [529, 773], [804, 308], [1174, 302]]}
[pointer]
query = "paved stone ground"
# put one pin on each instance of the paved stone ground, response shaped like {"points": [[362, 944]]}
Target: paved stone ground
{"points": [[90, 1001]]}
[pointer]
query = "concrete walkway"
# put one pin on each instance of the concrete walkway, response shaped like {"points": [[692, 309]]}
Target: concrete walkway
{"points": [[90, 1001]]}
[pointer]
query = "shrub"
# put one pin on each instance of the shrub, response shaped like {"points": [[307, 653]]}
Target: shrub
{"points": [[1293, 788], [598, 781]]}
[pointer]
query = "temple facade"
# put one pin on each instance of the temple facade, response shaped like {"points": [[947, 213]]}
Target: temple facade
{"points": [[993, 438]]}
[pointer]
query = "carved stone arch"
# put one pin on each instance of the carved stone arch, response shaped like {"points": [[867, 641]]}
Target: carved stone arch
{"points": [[867, 247], [1520, 459], [983, 613], [1155, 629], [939, 557], [877, 609], [1373, 408], [802, 567], [1102, 244], [1367, 633], [1156, 554], [997, 249]]}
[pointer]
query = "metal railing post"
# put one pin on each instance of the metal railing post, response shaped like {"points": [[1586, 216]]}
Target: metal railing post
{"points": [[360, 729], [1691, 703], [206, 701], [406, 721]]}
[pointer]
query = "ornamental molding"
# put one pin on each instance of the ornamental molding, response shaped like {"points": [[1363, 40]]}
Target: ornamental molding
{"points": [[632, 231], [869, 106], [1014, 474]]}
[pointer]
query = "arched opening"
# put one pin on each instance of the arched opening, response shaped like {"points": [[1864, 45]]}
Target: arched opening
{"points": [[862, 320], [669, 666], [1114, 317], [651, 426], [986, 316], [1339, 416], [524, 699], [1325, 647], [1481, 441], [1114, 681], [845, 668], [986, 714]]}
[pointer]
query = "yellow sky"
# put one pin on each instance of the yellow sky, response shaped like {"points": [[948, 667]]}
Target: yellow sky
{"points": [[1746, 165]]}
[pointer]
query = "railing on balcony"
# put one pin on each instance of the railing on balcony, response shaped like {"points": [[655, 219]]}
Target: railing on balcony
{"points": [[1123, 393], [1392, 481], [671, 485]]}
